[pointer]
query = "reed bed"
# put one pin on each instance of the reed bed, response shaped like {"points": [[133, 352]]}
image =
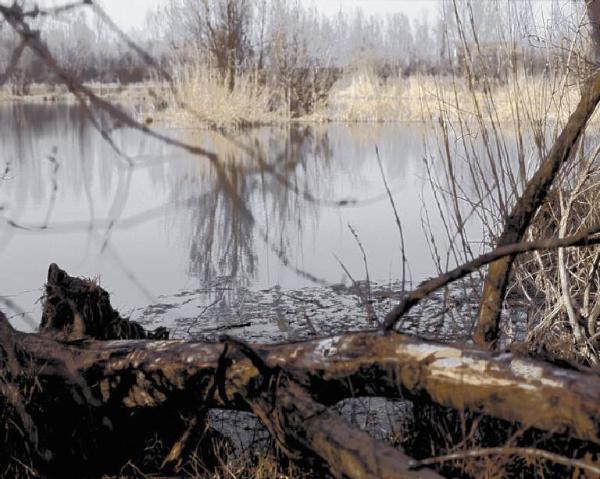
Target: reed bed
{"points": [[204, 100]]}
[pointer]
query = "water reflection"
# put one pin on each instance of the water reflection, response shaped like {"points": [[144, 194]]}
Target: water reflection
{"points": [[278, 204], [275, 177]]}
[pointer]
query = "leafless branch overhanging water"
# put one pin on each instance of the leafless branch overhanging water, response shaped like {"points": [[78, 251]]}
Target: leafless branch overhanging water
{"points": [[584, 238], [15, 16]]}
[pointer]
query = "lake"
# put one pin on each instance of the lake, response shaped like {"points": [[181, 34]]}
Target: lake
{"points": [[151, 220]]}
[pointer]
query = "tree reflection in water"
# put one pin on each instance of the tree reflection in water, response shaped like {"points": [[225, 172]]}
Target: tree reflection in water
{"points": [[69, 193], [276, 180], [272, 211]]}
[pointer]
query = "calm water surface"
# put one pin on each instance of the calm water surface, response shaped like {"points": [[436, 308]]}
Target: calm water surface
{"points": [[278, 206]]}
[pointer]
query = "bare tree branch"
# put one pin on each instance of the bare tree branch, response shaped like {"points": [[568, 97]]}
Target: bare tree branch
{"points": [[583, 239], [517, 222]]}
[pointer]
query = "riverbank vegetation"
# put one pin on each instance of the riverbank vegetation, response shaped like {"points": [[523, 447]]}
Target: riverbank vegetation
{"points": [[356, 69], [298, 63], [243, 63]]}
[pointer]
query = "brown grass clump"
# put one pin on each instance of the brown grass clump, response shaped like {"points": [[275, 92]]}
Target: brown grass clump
{"points": [[563, 288], [203, 98], [264, 466], [254, 463]]}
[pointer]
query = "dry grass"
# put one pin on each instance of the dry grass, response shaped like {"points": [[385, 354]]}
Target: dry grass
{"points": [[364, 98], [490, 138], [360, 96], [204, 99], [534, 99], [564, 288], [254, 463], [263, 466]]}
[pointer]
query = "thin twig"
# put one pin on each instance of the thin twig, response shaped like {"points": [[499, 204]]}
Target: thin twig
{"points": [[372, 317], [397, 218], [364, 300], [10, 304], [508, 451]]}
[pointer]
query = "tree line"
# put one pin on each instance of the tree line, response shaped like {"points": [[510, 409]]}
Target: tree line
{"points": [[285, 42]]}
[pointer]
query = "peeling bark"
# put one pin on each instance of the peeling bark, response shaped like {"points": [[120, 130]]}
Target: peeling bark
{"points": [[142, 376]]}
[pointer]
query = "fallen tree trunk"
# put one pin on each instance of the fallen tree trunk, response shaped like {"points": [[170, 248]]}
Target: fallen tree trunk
{"points": [[145, 375], [95, 393], [86, 407], [513, 388], [83, 406], [295, 419]]}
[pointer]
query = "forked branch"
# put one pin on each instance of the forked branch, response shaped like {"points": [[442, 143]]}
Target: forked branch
{"points": [[582, 239]]}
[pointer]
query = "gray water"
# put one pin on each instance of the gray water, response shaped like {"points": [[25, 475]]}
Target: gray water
{"points": [[152, 221]]}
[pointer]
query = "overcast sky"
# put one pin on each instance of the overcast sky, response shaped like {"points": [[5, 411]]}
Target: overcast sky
{"points": [[132, 13]]}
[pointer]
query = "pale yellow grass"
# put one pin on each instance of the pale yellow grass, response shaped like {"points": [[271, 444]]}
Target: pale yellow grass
{"points": [[531, 99], [362, 97], [365, 98], [203, 98]]}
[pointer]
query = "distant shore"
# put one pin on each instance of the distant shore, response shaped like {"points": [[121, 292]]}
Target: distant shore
{"points": [[201, 102], [50, 93]]}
